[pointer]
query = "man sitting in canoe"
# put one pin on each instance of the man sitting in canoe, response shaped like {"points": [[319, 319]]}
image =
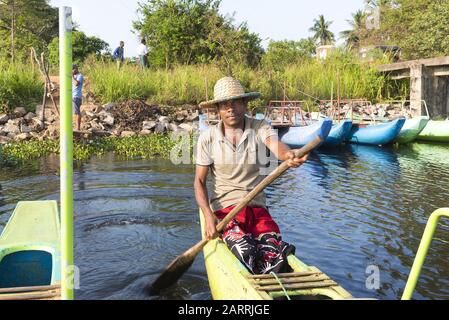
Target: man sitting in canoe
{"points": [[229, 151]]}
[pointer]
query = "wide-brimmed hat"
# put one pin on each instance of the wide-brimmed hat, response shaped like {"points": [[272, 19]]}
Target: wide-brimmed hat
{"points": [[227, 89]]}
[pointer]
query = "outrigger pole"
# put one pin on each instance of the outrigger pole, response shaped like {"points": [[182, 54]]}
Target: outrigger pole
{"points": [[66, 152]]}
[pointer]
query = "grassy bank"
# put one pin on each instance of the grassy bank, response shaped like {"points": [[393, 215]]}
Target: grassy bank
{"points": [[20, 86], [187, 84], [134, 147]]}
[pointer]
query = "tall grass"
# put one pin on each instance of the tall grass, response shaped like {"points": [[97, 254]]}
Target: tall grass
{"points": [[20, 86], [187, 84]]}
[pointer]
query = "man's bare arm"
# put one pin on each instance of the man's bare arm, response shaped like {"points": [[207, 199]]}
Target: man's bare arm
{"points": [[202, 199], [283, 152]]}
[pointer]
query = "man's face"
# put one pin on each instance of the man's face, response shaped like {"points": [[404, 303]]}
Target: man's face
{"points": [[233, 112], [75, 71]]}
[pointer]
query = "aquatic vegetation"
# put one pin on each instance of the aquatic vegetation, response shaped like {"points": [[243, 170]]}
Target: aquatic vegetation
{"points": [[151, 146]]}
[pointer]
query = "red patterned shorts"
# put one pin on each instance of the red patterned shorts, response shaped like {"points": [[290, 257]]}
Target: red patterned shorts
{"points": [[254, 238]]}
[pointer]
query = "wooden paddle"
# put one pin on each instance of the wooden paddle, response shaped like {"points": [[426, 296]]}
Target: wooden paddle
{"points": [[183, 262]]}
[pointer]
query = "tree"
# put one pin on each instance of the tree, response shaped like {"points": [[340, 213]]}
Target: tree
{"points": [[25, 24], [282, 53], [193, 31], [419, 27], [83, 46], [353, 36], [321, 31]]}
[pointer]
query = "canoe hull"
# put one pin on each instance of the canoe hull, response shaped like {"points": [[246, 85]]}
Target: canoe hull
{"points": [[437, 131], [30, 247], [298, 137], [411, 129], [380, 134], [228, 278], [338, 134]]}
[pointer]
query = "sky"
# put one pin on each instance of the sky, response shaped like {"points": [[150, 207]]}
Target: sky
{"points": [[111, 20]]}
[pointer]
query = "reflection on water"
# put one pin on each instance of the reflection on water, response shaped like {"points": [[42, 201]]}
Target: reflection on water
{"points": [[345, 210]]}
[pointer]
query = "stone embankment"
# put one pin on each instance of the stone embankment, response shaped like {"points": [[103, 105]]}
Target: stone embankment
{"points": [[127, 119]]}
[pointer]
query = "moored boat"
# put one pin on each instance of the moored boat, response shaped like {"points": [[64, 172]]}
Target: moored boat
{"points": [[437, 131], [376, 134], [411, 129], [230, 280], [338, 133], [299, 136], [30, 253]]}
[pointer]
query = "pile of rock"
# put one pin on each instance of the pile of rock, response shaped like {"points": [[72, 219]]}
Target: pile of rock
{"points": [[126, 119], [20, 125], [365, 110]]}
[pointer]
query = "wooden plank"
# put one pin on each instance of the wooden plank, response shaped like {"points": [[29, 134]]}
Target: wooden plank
{"points": [[298, 286], [274, 281], [29, 289], [285, 275], [33, 295]]}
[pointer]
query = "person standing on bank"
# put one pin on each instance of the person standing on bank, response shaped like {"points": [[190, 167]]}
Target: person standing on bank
{"points": [[228, 151], [142, 51], [119, 54], [77, 95]]}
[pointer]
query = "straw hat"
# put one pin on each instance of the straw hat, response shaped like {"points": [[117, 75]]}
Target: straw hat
{"points": [[227, 89]]}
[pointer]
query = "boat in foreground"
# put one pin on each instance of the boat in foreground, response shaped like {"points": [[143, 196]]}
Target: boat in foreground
{"points": [[437, 131], [230, 280], [411, 129], [30, 253], [376, 134]]}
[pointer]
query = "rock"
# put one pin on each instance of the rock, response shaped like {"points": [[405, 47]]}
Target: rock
{"points": [[11, 135], [164, 119], [39, 110], [90, 114], [145, 133], [25, 129], [160, 128], [108, 107], [23, 136], [50, 119], [2, 133], [34, 135], [4, 140], [126, 134], [186, 126], [172, 127], [109, 120], [20, 111], [29, 116], [3, 118], [149, 125], [11, 128], [36, 124]]}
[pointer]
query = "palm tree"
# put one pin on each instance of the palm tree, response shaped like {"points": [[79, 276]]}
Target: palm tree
{"points": [[353, 36], [321, 31]]}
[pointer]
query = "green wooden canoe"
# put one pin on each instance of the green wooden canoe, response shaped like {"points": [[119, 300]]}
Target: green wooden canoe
{"points": [[30, 252], [435, 131]]}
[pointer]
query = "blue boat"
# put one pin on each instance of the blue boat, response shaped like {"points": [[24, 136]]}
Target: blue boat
{"points": [[338, 134], [299, 136], [379, 134]]}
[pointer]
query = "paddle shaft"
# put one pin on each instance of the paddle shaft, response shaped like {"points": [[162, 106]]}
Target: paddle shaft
{"points": [[178, 266]]}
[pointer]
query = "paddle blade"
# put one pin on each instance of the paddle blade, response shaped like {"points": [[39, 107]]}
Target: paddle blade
{"points": [[171, 274]]}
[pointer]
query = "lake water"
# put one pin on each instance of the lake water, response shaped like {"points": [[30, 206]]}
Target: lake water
{"points": [[345, 210]]}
